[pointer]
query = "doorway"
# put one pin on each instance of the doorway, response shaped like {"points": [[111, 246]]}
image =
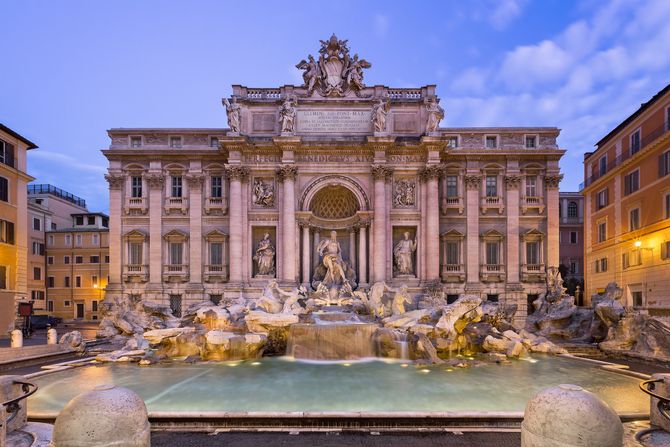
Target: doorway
{"points": [[80, 311]]}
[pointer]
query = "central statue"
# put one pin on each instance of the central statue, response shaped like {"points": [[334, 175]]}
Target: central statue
{"points": [[334, 271]]}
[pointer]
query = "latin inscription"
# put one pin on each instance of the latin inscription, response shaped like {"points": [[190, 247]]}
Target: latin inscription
{"points": [[334, 121]]}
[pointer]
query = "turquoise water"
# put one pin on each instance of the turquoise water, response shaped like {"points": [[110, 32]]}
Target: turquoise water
{"points": [[283, 384]]}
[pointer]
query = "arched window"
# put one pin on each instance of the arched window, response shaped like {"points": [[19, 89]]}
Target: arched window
{"points": [[572, 209]]}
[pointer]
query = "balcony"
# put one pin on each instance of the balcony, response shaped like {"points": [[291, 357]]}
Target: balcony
{"points": [[216, 273], [452, 203], [492, 273], [136, 205], [492, 202], [533, 273], [452, 273], [176, 205], [135, 273], [216, 205], [175, 272], [532, 202]]}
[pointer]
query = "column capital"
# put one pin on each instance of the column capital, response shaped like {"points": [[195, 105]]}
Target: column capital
{"points": [[155, 180], [472, 181], [195, 180], [115, 180], [552, 181], [237, 172], [512, 181], [430, 172], [381, 172], [287, 172]]}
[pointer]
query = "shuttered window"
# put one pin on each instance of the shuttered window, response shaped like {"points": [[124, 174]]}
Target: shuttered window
{"points": [[4, 189], [7, 153]]}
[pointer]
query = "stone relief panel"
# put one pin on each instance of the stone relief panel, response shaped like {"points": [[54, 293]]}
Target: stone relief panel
{"points": [[404, 193], [263, 122], [405, 122], [404, 251], [264, 252], [263, 192]]}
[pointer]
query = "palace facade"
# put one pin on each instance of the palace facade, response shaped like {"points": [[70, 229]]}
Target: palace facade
{"points": [[198, 214]]}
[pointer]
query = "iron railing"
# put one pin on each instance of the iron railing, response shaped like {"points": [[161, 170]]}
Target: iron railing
{"points": [[663, 405], [44, 188], [13, 406]]}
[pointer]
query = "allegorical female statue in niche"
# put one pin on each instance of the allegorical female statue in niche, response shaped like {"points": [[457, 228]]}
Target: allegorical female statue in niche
{"points": [[233, 112], [265, 257], [403, 254]]}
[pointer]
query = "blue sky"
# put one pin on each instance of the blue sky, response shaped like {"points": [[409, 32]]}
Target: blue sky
{"points": [[74, 69]]}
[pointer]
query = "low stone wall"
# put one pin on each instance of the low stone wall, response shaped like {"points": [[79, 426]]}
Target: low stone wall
{"points": [[9, 355]]}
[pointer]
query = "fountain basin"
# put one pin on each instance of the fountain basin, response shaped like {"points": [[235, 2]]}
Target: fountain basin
{"points": [[272, 390]]}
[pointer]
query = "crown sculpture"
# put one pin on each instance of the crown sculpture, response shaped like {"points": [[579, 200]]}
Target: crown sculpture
{"points": [[335, 73]]}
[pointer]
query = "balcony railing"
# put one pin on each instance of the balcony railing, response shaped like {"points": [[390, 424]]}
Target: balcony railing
{"points": [[644, 143], [492, 272], [216, 273], [452, 203], [136, 205], [176, 204], [452, 273], [175, 272], [532, 202], [533, 272], [135, 273], [216, 205], [492, 202]]}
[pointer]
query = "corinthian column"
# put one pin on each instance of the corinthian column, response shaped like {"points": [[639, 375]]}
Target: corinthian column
{"points": [[305, 254], [286, 175], [236, 174], [362, 254], [116, 182], [472, 185], [430, 174], [155, 182], [380, 173]]}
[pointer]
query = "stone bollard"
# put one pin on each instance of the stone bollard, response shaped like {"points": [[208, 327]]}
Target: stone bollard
{"points": [[569, 416], [17, 338], [105, 416], [52, 336]]}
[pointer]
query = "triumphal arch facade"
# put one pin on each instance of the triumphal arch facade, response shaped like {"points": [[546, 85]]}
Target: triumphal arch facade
{"points": [[332, 182]]}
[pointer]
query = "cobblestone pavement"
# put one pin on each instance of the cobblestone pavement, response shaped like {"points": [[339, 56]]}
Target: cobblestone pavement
{"points": [[170, 439]]}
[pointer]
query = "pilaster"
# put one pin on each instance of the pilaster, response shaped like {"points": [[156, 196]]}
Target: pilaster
{"points": [[286, 175], [195, 181], [236, 174], [512, 182], [430, 175], [551, 183], [116, 182], [381, 174], [472, 185], [155, 181]]}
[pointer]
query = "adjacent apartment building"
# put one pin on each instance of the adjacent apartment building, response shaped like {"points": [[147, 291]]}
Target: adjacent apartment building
{"points": [[49, 209], [13, 228], [571, 218], [77, 267], [627, 208]]}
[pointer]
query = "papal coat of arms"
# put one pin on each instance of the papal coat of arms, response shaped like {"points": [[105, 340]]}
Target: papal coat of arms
{"points": [[336, 72]]}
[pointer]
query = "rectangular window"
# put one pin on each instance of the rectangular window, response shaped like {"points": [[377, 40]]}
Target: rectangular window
{"points": [[78, 239], [51, 281], [6, 232], [452, 253], [77, 281], [66, 303], [491, 186], [597, 265], [667, 206], [637, 299], [66, 281], [635, 142], [66, 259], [176, 249], [135, 253], [573, 237], [95, 239], [634, 220], [175, 305], [573, 267], [215, 299], [79, 220], [216, 183], [78, 259], [664, 164], [531, 142], [625, 260], [91, 220], [491, 142], [176, 186], [68, 240], [54, 226], [50, 240], [452, 142], [632, 182], [50, 306], [3, 277], [492, 253], [7, 153], [603, 198], [94, 280], [532, 253], [216, 253], [452, 186], [136, 186], [492, 297], [37, 224], [213, 142], [452, 297], [4, 189], [602, 165], [531, 186], [636, 257], [135, 141], [106, 259], [37, 274], [94, 306], [94, 259], [603, 264], [665, 250], [175, 142], [602, 232], [50, 260]]}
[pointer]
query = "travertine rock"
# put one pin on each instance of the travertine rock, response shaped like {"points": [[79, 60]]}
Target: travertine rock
{"points": [[262, 322], [74, 340], [156, 336]]}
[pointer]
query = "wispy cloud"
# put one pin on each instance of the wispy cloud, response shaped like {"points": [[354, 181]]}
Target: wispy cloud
{"points": [[382, 25], [504, 12]]}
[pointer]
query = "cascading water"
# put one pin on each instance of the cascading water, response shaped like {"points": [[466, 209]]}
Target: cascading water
{"points": [[332, 336]]}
